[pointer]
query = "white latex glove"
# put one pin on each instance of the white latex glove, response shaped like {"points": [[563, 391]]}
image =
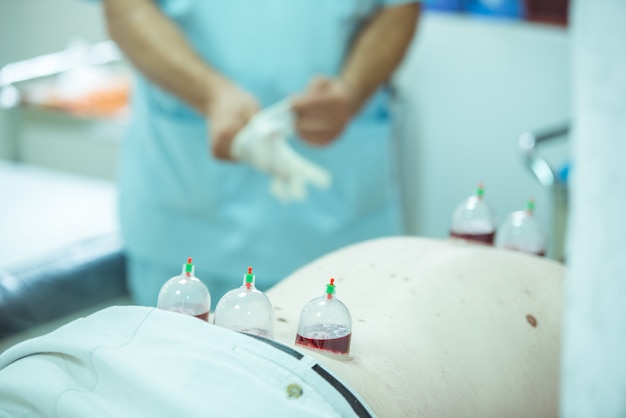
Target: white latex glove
{"points": [[263, 143]]}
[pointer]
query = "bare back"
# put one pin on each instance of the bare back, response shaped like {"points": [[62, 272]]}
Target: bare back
{"points": [[439, 328]]}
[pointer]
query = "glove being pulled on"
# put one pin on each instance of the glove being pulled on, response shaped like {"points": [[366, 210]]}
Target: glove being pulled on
{"points": [[263, 144]]}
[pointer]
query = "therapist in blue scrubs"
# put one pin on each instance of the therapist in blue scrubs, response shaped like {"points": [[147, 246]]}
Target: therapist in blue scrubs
{"points": [[204, 69]]}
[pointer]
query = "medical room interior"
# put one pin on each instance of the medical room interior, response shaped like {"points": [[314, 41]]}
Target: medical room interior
{"points": [[482, 114]]}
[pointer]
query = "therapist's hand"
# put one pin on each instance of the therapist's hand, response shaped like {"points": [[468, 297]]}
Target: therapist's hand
{"points": [[229, 111], [323, 110]]}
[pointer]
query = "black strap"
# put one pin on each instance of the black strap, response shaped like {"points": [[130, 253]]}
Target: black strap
{"points": [[276, 344], [352, 400]]}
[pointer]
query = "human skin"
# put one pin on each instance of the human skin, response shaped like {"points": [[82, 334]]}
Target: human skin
{"points": [[160, 51], [439, 328], [328, 104]]}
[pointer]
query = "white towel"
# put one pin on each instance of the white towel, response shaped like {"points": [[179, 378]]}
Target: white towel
{"points": [[132, 361]]}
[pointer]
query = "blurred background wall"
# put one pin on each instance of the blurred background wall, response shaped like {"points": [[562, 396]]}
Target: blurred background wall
{"points": [[470, 87], [32, 27]]}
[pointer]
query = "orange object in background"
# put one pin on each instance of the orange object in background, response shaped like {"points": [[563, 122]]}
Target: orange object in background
{"points": [[85, 92], [110, 100]]}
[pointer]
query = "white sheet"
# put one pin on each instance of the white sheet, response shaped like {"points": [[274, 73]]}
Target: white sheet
{"points": [[136, 361]]}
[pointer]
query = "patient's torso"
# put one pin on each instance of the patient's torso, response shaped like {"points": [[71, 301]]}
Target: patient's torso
{"points": [[439, 329]]}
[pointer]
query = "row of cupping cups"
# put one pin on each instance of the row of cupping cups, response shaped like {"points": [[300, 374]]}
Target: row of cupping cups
{"points": [[475, 220], [325, 323]]}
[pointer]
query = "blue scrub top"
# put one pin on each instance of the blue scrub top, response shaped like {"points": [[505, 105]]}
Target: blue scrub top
{"points": [[177, 201]]}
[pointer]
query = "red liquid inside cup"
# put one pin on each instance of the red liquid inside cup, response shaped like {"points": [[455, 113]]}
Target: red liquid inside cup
{"points": [[484, 238], [336, 345], [203, 316]]}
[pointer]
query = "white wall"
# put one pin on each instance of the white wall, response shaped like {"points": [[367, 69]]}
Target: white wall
{"points": [[29, 28], [471, 87], [33, 27]]}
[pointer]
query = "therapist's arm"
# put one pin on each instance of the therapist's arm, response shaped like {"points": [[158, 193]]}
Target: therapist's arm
{"points": [[328, 104], [158, 49], [379, 49]]}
